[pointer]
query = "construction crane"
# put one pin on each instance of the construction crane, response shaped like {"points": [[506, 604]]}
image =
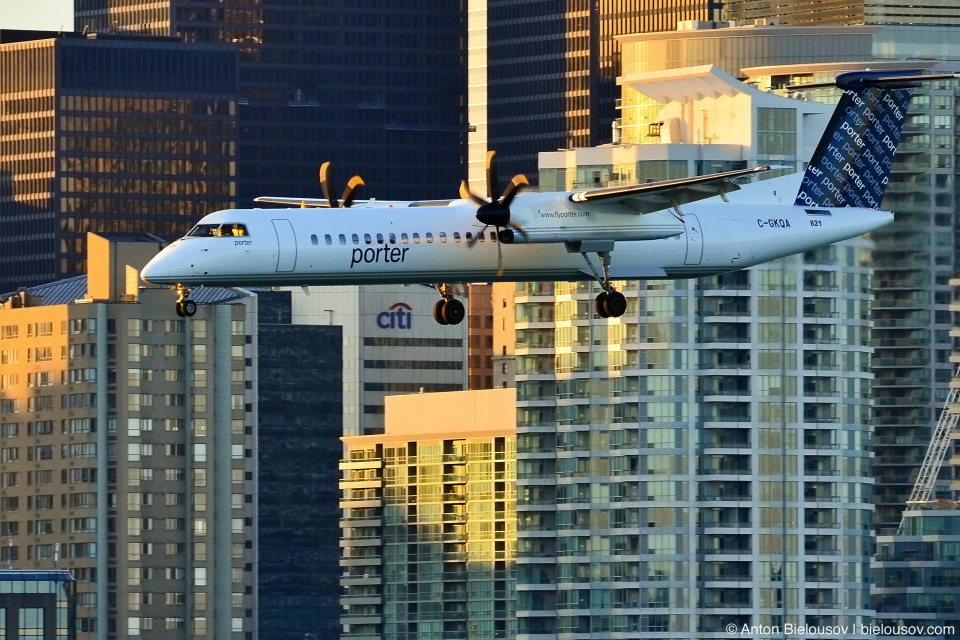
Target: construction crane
{"points": [[937, 451]]}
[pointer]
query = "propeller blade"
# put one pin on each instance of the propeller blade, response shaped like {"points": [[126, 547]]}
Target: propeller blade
{"points": [[499, 258], [325, 180], [466, 194], [519, 227], [493, 189], [474, 239], [519, 182], [353, 188]]}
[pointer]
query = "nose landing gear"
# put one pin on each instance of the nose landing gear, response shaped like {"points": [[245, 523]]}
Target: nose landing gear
{"points": [[186, 308], [449, 310]]}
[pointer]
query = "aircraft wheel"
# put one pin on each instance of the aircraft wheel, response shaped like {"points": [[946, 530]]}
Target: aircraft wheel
{"points": [[453, 311], [615, 305], [600, 305], [438, 312], [189, 308], [179, 309]]}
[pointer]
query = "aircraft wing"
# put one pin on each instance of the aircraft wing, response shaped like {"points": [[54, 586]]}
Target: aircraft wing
{"points": [[646, 198]]}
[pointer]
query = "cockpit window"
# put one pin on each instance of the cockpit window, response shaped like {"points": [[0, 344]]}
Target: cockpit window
{"points": [[234, 230], [218, 230], [204, 231]]}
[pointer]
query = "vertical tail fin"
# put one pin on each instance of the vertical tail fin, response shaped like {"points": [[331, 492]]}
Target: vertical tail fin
{"points": [[851, 165]]}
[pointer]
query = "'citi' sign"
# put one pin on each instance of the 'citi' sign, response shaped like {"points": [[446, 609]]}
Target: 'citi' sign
{"points": [[399, 316]]}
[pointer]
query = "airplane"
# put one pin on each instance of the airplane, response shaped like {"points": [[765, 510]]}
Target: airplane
{"points": [[684, 228]]}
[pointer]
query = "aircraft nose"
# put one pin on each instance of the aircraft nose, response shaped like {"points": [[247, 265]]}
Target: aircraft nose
{"points": [[158, 270]]}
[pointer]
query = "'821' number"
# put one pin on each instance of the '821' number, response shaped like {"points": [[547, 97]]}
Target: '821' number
{"points": [[816, 223]]}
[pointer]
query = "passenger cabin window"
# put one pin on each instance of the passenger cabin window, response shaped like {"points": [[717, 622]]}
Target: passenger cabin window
{"points": [[327, 239], [456, 236], [313, 238], [480, 236], [493, 236], [355, 238], [416, 238], [429, 237], [443, 236], [404, 239], [469, 236], [393, 238], [343, 239], [366, 238]]}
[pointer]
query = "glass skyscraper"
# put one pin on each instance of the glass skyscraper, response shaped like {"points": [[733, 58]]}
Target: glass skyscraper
{"points": [[108, 134], [378, 89]]}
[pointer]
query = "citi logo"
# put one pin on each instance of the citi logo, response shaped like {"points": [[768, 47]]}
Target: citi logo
{"points": [[399, 316]]}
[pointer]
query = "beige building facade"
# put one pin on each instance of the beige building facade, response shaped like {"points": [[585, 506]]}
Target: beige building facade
{"points": [[125, 448]]}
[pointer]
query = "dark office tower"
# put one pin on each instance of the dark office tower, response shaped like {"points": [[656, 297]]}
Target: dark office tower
{"points": [[301, 416], [107, 134], [552, 67], [378, 88], [807, 12]]}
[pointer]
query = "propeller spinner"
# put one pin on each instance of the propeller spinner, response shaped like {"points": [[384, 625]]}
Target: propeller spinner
{"points": [[495, 212], [349, 194]]}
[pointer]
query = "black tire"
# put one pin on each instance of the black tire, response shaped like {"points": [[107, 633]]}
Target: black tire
{"points": [[615, 305], [189, 308], [453, 311], [438, 312], [599, 305], [179, 309]]}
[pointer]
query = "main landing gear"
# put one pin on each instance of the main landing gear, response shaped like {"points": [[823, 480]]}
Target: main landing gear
{"points": [[609, 303], [186, 308], [449, 310]]}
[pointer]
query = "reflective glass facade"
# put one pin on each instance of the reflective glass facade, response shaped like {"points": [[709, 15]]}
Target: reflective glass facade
{"points": [[300, 399], [108, 135], [37, 604], [552, 69], [916, 574], [377, 88]]}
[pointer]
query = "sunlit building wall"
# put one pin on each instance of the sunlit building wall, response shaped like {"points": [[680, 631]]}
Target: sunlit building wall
{"points": [[108, 135], [126, 448], [704, 460], [842, 12], [429, 520]]}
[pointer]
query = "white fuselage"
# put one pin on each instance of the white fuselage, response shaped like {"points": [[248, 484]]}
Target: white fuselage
{"points": [[389, 244]]}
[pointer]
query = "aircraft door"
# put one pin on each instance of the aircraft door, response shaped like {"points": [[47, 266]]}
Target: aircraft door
{"points": [[694, 236], [286, 245]]}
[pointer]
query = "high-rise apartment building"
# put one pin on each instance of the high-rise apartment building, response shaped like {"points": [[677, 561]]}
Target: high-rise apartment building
{"points": [[126, 448], [378, 89], [913, 257], [542, 74], [429, 520], [108, 134], [703, 461], [391, 345]]}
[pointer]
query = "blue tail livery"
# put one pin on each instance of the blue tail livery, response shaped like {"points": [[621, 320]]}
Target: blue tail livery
{"points": [[851, 165]]}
